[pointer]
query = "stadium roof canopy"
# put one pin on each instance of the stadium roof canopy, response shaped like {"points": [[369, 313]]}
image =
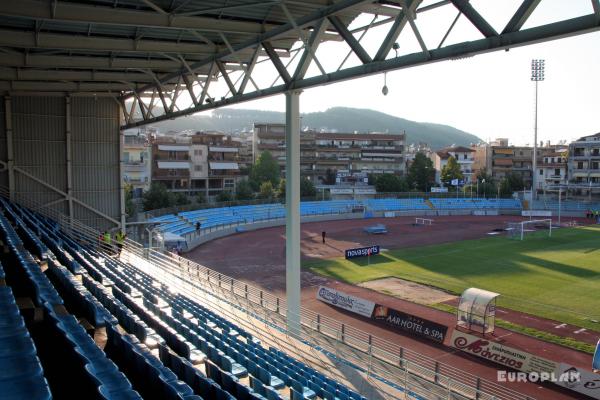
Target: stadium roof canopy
{"points": [[166, 58]]}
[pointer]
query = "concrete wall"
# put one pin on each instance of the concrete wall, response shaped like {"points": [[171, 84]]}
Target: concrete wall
{"points": [[65, 155]]}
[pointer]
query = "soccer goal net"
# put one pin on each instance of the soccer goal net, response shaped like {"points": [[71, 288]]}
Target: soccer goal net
{"points": [[532, 228]]}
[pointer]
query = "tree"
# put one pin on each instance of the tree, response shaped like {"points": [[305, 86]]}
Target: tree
{"points": [[200, 198], [266, 190], [372, 179], [224, 196], [130, 208], [505, 189], [281, 189], [390, 183], [485, 189], [330, 176], [451, 171], [266, 169], [157, 197], [483, 174], [512, 182], [181, 199], [244, 191], [421, 174], [307, 188]]}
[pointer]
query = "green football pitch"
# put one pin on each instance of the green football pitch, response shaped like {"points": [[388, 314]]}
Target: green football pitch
{"points": [[555, 277]]}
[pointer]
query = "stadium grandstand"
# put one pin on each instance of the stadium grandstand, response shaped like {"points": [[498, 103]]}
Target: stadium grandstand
{"points": [[189, 225], [81, 320]]}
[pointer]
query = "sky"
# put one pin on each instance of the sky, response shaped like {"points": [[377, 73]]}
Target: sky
{"points": [[489, 95]]}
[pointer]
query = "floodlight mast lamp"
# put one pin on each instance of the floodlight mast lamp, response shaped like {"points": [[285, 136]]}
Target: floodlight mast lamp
{"points": [[537, 75]]}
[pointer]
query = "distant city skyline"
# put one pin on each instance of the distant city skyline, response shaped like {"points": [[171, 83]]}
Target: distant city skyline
{"points": [[489, 95]]}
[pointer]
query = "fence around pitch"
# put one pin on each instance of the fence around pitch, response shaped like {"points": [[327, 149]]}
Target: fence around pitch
{"points": [[450, 378]]}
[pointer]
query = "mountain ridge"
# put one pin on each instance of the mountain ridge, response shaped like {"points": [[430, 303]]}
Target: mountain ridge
{"points": [[339, 119]]}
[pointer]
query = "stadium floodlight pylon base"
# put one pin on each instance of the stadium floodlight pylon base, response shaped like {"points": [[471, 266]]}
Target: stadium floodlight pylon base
{"points": [[523, 229]]}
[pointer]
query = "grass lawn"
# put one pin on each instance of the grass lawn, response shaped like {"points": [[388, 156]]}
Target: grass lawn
{"points": [[557, 277]]}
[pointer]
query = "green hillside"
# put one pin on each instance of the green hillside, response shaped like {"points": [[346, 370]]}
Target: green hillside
{"points": [[340, 119]]}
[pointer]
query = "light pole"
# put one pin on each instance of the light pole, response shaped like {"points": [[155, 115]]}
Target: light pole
{"points": [[537, 75]]}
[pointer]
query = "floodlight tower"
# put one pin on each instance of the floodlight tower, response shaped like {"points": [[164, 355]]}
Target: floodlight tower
{"points": [[537, 75]]}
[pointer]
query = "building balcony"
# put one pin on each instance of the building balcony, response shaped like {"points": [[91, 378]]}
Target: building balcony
{"points": [[135, 166], [166, 157], [137, 180], [163, 177]]}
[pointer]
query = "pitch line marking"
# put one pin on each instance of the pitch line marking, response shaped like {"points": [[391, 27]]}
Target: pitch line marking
{"points": [[560, 326], [580, 330]]}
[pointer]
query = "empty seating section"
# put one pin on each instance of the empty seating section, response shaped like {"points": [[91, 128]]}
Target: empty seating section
{"points": [[474, 204], [160, 344], [185, 222], [66, 350], [21, 373], [565, 205], [396, 204]]}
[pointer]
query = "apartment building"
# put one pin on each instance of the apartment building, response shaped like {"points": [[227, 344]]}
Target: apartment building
{"points": [[171, 162], [482, 157], [202, 162], [553, 169], [359, 154], [137, 160], [271, 137], [500, 159], [215, 163], [462, 155], [584, 161], [350, 155]]}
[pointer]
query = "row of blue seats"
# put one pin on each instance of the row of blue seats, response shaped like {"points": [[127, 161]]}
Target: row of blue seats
{"points": [[175, 341], [100, 378], [150, 295], [164, 380], [396, 204], [567, 205], [165, 331], [21, 373], [234, 349], [153, 379], [225, 362], [254, 213]]}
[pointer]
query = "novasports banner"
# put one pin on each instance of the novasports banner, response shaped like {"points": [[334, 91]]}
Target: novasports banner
{"points": [[346, 301], [362, 252], [504, 355], [410, 323]]}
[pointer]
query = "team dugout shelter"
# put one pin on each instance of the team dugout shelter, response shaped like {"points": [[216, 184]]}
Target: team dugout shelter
{"points": [[477, 310]]}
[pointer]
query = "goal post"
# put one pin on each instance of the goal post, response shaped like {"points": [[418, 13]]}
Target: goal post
{"points": [[535, 228], [423, 221]]}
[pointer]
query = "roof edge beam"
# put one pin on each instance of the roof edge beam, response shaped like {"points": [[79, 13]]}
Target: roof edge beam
{"points": [[476, 19]]}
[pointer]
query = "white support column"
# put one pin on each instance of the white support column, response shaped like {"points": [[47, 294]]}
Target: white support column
{"points": [[9, 147], [292, 206], [69, 157], [122, 182]]}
